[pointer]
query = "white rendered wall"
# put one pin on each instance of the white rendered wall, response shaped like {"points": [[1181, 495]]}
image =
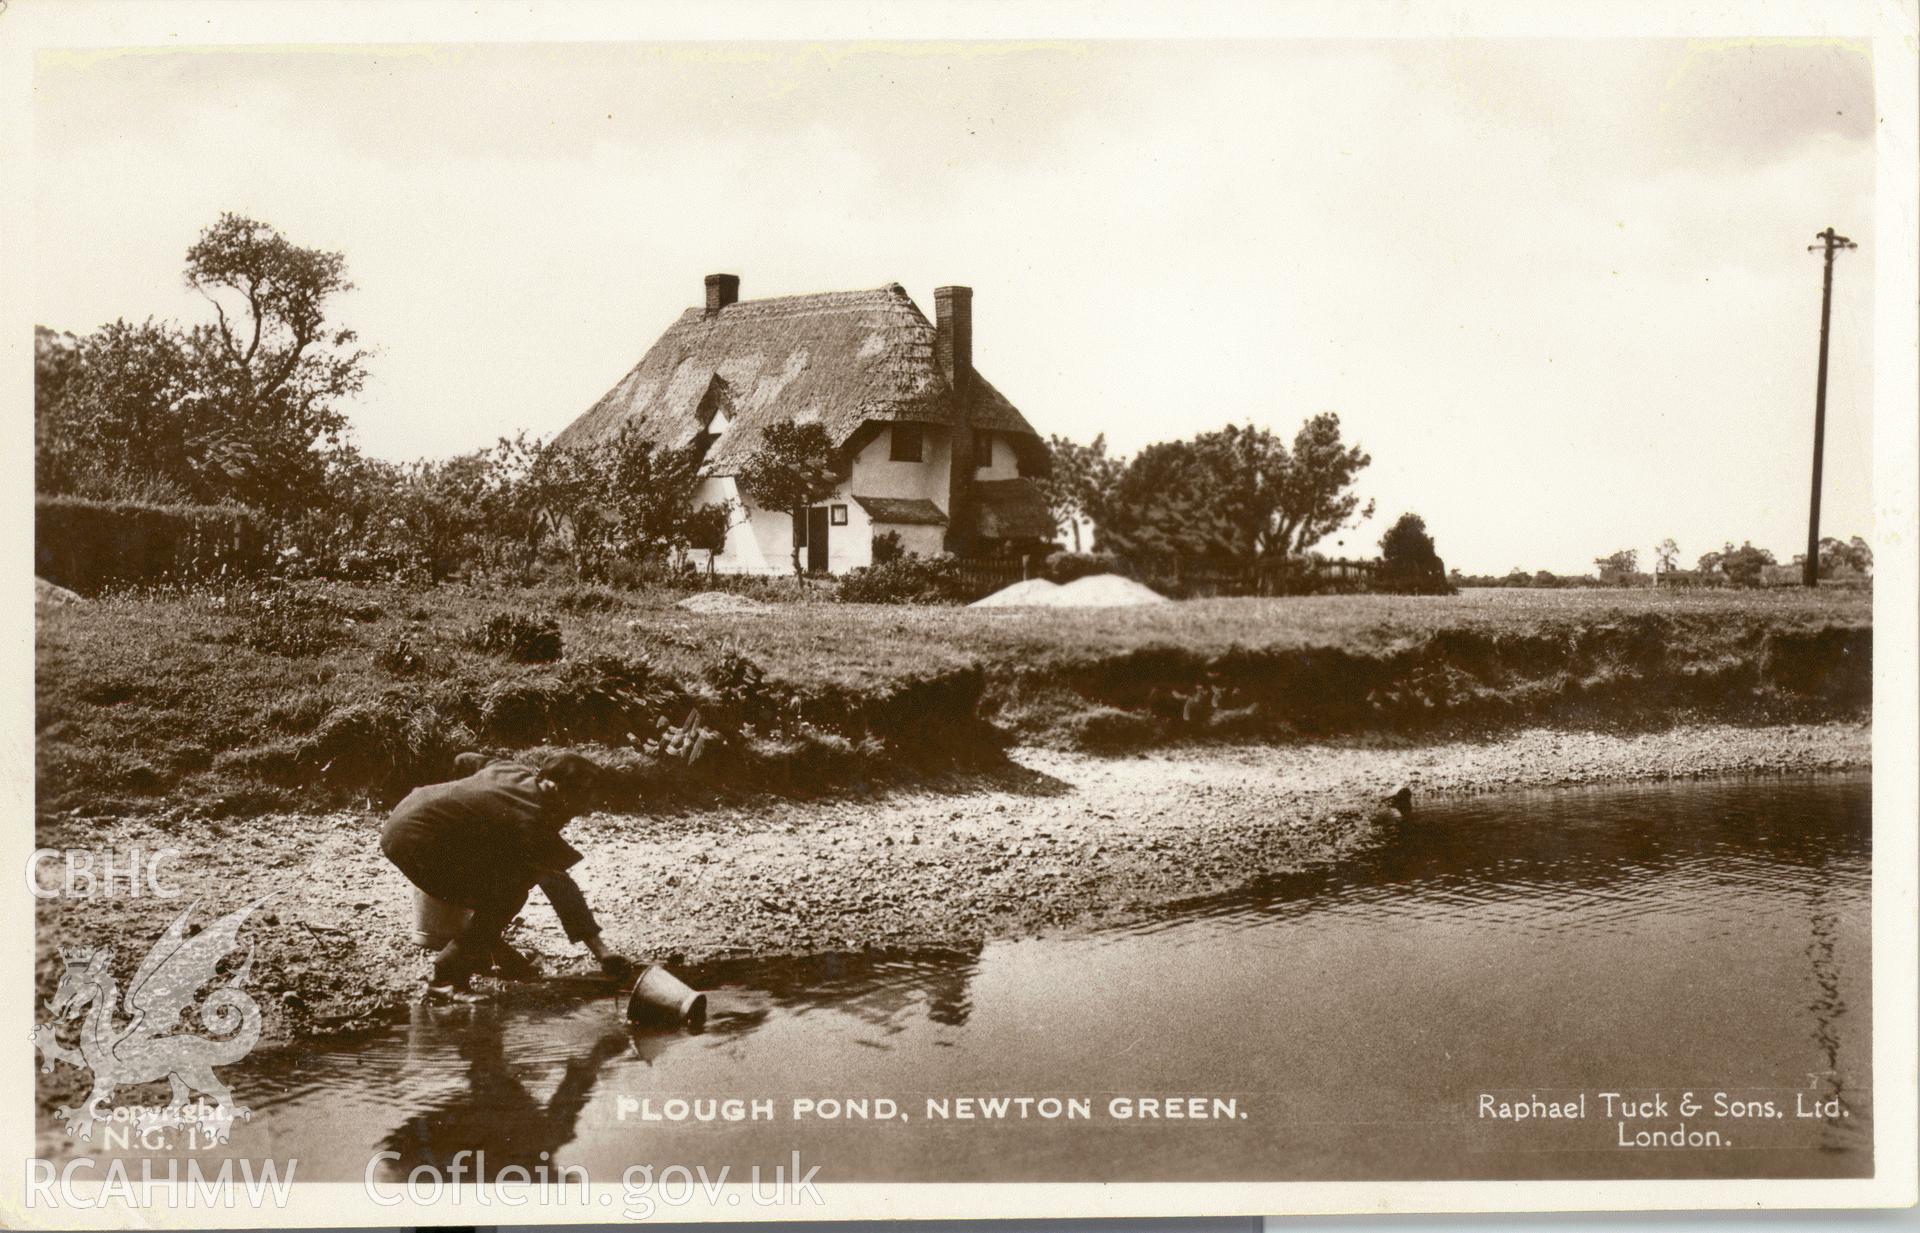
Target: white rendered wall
{"points": [[1005, 464], [760, 541]]}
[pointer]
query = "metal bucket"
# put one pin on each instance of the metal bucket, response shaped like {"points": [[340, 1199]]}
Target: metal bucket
{"points": [[661, 999], [435, 921]]}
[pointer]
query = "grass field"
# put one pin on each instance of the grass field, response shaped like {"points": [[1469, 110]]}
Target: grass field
{"points": [[251, 700]]}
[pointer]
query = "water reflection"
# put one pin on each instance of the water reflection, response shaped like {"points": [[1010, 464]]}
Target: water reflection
{"points": [[886, 990], [495, 1118], [1592, 860], [1827, 1005], [498, 1118]]}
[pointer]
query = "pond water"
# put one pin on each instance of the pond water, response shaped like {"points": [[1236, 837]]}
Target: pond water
{"points": [[1359, 1021]]}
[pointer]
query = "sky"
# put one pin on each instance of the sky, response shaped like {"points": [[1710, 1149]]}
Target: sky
{"points": [[1559, 290]]}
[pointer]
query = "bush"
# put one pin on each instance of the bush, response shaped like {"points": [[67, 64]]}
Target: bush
{"points": [[740, 686], [86, 545], [1408, 563], [612, 699], [887, 548], [1065, 567], [524, 639], [905, 580], [1746, 566]]}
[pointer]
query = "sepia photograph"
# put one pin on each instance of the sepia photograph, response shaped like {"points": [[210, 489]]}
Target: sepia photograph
{"points": [[652, 616]]}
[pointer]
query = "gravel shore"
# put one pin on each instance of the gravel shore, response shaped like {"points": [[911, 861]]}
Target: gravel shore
{"points": [[1051, 840]]}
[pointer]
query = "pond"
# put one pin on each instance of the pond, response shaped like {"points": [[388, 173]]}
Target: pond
{"points": [[1584, 949]]}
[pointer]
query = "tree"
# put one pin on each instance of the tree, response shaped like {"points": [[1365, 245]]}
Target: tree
{"points": [[649, 491], [1249, 471], [1236, 495], [1316, 499], [1746, 565], [1408, 561], [513, 516], [238, 409], [790, 468], [1668, 555], [1081, 482], [348, 532], [1171, 501], [271, 366], [120, 412], [557, 497], [438, 512], [1836, 557], [56, 369], [1618, 568], [1859, 555], [707, 529]]}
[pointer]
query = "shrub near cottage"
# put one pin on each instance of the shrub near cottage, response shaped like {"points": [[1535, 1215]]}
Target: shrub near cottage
{"points": [[908, 579], [1065, 567]]}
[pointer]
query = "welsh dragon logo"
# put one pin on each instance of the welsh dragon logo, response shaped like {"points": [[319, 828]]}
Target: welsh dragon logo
{"points": [[150, 1045]]}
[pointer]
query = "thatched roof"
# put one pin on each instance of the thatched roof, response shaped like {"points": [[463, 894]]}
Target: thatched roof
{"points": [[844, 358], [902, 511], [1012, 509]]}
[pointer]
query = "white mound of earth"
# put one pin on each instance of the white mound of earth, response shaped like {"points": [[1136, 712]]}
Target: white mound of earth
{"points": [[1095, 591], [1023, 594], [53, 595], [1104, 591], [721, 601]]}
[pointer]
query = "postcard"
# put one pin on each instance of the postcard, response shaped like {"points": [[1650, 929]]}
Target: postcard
{"points": [[745, 612]]}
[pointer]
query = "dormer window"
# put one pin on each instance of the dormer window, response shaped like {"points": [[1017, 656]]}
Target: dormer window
{"points": [[908, 443], [716, 424]]}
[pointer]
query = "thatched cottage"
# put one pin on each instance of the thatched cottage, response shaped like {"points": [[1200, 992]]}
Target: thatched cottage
{"points": [[928, 450]]}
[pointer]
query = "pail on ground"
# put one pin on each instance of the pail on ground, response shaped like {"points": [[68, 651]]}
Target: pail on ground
{"points": [[660, 998], [435, 921]]}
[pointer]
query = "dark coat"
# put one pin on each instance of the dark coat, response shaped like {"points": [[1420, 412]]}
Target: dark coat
{"points": [[493, 831]]}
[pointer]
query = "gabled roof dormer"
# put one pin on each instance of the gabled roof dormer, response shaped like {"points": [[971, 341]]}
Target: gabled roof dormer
{"points": [[714, 413]]}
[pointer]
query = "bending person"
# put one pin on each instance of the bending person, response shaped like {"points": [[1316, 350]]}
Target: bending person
{"points": [[483, 843]]}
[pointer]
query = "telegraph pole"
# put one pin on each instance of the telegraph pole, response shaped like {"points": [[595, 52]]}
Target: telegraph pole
{"points": [[1831, 242]]}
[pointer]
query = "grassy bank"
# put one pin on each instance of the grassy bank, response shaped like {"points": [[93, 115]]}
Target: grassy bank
{"points": [[254, 700]]}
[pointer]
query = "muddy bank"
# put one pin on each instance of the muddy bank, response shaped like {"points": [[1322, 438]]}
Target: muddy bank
{"points": [[1050, 840], [1656, 667]]}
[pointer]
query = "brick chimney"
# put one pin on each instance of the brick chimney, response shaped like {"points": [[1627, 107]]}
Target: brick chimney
{"points": [[953, 335], [722, 290], [953, 351]]}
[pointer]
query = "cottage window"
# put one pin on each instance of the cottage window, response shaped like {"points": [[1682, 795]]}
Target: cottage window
{"points": [[982, 448], [907, 443], [837, 515]]}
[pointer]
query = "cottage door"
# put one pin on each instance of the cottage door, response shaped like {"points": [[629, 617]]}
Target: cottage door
{"points": [[817, 540]]}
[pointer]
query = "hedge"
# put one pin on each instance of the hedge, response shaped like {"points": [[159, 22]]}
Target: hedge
{"points": [[84, 545]]}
